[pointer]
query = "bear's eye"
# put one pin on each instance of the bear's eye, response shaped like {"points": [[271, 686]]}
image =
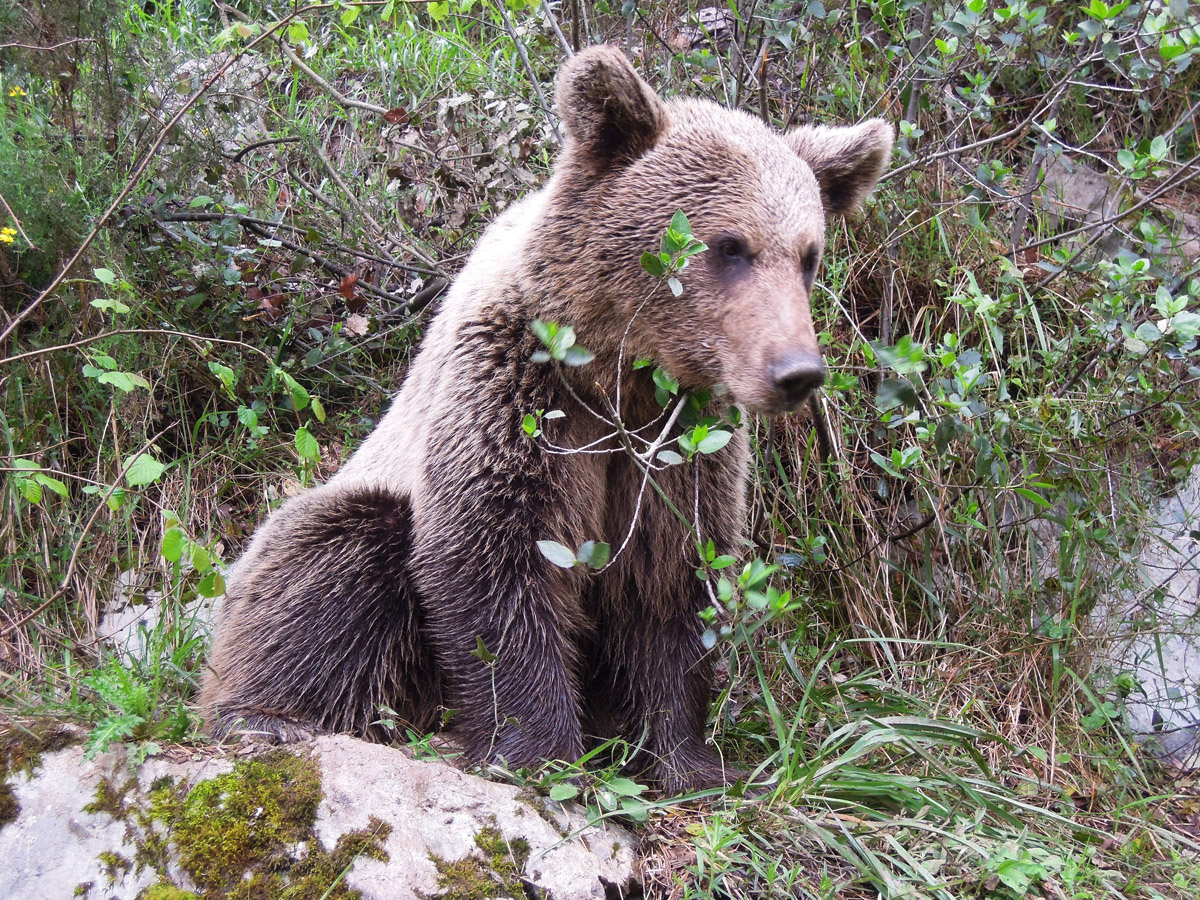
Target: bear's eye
{"points": [[808, 263], [733, 249]]}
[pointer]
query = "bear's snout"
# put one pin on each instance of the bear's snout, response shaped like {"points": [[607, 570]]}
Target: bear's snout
{"points": [[797, 375]]}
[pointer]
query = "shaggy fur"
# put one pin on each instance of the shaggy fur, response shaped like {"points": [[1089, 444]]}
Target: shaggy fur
{"points": [[376, 588]]}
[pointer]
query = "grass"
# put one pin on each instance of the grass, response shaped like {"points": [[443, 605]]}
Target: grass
{"points": [[1005, 402]]}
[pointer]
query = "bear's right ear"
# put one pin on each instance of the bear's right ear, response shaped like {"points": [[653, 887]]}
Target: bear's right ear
{"points": [[612, 116]]}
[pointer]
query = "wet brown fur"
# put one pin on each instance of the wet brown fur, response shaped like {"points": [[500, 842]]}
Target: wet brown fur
{"points": [[375, 588]]}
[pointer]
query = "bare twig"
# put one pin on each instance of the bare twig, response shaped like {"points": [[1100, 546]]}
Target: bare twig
{"points": [[68, 42], [333, 92], [250, 148], [83, 342], [501, 8], [549, 13], [17, 221]]}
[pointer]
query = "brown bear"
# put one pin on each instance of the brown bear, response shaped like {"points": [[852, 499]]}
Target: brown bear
{"points": [[381, 587]]}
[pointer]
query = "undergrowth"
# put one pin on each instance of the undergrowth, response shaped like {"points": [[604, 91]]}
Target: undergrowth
{"points": [[267, 201]]}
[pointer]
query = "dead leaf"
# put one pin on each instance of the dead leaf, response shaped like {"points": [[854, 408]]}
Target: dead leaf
{"points": [[396, 116], [346, 289], [356, 324]]}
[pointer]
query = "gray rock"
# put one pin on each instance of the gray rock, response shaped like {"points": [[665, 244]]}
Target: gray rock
{"points": [[438, 816], [1157, 629], [436, 810]]}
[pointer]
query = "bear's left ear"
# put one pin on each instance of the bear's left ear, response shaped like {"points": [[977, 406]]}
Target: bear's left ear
{"points": [[612, 116], [847, 160]]}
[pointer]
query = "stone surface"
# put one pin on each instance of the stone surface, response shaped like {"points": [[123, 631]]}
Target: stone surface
{"points": [[1073, 192], [54, 846], [435, 811], [1157, 629]]}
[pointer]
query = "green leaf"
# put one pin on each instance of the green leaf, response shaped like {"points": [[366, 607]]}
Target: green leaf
{"points": [[663, 379], [562, 556], [886, 464], [349, 15], [307, 446], [53, 483], [676, 287], [714, 441], [1148, 332], [201, 559], [680, 223], [653, 264], [577, 356], [1033, 497], [318, 409], [1186, 325], [106, 276], [226, 375], [247, 416], [114, 728], [143, 469], [481, 652], [123, 381], [172, 545], [670, 457], [110, 305], [30, 490], [626, 787], [211, 585], [299, 395], [561, 793], [594, 554], [895, 392], [722, 562], [1158, 149]]}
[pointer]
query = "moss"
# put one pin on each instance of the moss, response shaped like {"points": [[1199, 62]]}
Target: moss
{"points": [[111, 799], [83, 890], [21, 749], [248, 835], [9, 807], [497, 874], [167, 892], [115, 865]]}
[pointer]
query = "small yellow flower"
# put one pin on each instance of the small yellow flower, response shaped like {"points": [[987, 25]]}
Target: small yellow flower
{"points": [[16, 91], [7, 235]]}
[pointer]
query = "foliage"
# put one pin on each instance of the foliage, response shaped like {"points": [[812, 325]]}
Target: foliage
{"points": [[908, 663]]}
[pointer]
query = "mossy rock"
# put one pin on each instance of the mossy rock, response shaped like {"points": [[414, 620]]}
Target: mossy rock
{"points": [[496, 875], [244, 835], [21, 749]]}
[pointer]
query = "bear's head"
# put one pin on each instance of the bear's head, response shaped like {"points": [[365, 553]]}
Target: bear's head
{"points": [[758, 199]]}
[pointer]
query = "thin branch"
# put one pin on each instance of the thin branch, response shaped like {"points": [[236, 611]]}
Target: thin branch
{"points": [[249, 148], [502, 8], [17, 221], [549, 13], [329, 88], [74, 40]]}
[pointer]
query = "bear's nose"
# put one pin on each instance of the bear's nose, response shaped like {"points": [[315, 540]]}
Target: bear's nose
{"points": [[797, 375]]}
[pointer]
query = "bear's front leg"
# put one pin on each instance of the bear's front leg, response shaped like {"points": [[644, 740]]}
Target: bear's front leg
{"points": [[506, 642], [652, 679]]}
